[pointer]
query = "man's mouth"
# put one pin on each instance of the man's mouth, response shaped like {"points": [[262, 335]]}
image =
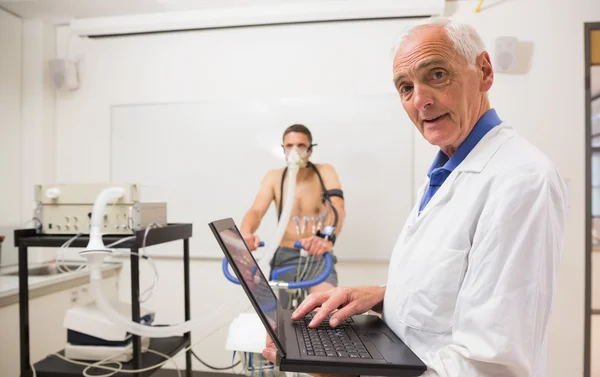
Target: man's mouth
{"points": [[433, 120]]}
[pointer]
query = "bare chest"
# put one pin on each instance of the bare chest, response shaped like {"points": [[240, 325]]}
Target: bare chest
{"points": [[308, 196]]}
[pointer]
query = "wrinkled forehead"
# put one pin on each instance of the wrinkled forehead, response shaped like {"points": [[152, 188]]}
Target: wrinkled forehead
{"points": [[423, 48]]}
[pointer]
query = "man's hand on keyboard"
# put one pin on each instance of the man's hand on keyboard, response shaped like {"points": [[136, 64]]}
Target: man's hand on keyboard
{"points": [[349, 301]]}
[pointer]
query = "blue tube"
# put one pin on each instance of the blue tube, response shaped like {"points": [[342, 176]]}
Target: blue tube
{"points": [[225, 267], [233, 279], [275, 274], [228, 275], [319, 279]]}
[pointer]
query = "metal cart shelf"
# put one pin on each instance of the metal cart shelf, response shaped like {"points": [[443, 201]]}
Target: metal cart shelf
{"points": [[53, 366]]}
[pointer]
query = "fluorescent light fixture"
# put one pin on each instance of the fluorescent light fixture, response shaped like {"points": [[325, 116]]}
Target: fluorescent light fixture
{"points": [[263, 14]]}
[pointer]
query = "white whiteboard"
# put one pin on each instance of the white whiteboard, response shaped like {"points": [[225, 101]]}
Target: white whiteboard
{"points": [[208, 158]]}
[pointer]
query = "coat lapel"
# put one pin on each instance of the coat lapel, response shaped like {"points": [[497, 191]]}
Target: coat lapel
{"points": [[475, 162]]}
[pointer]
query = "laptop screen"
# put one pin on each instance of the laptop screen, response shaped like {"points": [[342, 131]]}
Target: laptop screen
{"points": [[253, 277]]}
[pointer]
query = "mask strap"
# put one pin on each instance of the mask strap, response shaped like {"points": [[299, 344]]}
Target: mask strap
{"points": [[307, 150]]}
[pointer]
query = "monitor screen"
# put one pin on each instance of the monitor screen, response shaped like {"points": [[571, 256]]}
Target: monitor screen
{"points": [[251, 274]]}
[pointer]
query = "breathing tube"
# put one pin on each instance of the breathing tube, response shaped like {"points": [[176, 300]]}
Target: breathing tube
{"points": [[294, 161], [327, 194], [96, 252]]}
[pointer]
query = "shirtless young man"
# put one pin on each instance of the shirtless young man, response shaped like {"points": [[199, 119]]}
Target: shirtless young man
{"points": [[308, 202]]}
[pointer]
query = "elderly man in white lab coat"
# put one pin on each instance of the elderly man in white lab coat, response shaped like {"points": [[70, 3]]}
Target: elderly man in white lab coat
{"points": [[472, 277]]}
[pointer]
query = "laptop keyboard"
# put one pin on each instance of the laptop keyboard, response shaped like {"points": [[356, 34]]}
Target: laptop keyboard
{"points": [[338, 342]]}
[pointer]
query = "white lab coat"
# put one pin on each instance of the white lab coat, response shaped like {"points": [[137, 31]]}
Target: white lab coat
{"points": [[472, 279]]}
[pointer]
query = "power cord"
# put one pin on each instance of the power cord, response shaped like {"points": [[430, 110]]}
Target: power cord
{"points": [[60, 256], [152, 264], [215, 368], [149, 290], [101, 364], [147, 293]]}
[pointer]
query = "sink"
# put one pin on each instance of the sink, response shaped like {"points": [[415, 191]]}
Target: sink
{"points": [[46, 270]]}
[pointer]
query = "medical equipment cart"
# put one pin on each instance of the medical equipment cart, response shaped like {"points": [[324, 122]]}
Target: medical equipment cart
{"points": [[53, 366]]}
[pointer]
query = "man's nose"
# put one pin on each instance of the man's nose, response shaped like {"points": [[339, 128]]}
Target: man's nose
{"points": [[422, 98]]}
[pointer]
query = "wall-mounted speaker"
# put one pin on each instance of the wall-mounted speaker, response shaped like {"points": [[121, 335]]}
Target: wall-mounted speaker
{"points": [[505, 53], [63, 74]]}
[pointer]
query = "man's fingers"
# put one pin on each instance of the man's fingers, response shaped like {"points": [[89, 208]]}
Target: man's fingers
{"points": [[315, 246], [342, 314], [323, 249], [252, 242], [311, 302], [314, 250], [334, 302], [308, 244], [270, 352]]}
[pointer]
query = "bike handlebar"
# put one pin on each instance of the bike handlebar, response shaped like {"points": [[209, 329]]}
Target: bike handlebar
{"points": [[275, 274]]}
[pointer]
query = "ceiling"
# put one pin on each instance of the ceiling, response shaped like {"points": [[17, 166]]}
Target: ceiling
{"points": [[61, 11]]}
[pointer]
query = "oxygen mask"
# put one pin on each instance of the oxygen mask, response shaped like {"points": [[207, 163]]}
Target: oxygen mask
{"points": [[296, 158]]}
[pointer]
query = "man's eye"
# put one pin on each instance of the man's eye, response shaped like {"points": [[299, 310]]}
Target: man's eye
{"points": [[438, 75], [405, 89]]}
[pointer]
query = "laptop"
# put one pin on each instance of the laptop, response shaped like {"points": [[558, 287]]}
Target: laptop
{"points": [[362, 345]]}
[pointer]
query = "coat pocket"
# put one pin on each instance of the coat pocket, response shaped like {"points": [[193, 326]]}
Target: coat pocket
{"points": [[428, 300]]}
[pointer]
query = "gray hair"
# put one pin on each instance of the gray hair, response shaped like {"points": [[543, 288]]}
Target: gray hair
{"points": [[465, 38]]}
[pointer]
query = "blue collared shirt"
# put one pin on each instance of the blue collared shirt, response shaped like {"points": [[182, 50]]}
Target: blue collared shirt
{"points": [[442, 166]]}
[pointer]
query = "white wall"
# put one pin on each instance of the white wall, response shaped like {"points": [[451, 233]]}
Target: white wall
{"points": [[38, 109], [26, 121], [37, 122], [10, 132], [10, 118], [546, 105]]}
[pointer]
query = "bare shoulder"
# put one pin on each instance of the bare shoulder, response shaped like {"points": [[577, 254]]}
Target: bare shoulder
{"points": [[326, 169], [273, 176], [329, 174]]}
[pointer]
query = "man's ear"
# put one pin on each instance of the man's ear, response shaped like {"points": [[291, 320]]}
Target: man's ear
{"points": [[486, 71]]}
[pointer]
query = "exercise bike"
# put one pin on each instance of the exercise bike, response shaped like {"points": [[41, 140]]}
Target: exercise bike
{"points": [[246, 333]]}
